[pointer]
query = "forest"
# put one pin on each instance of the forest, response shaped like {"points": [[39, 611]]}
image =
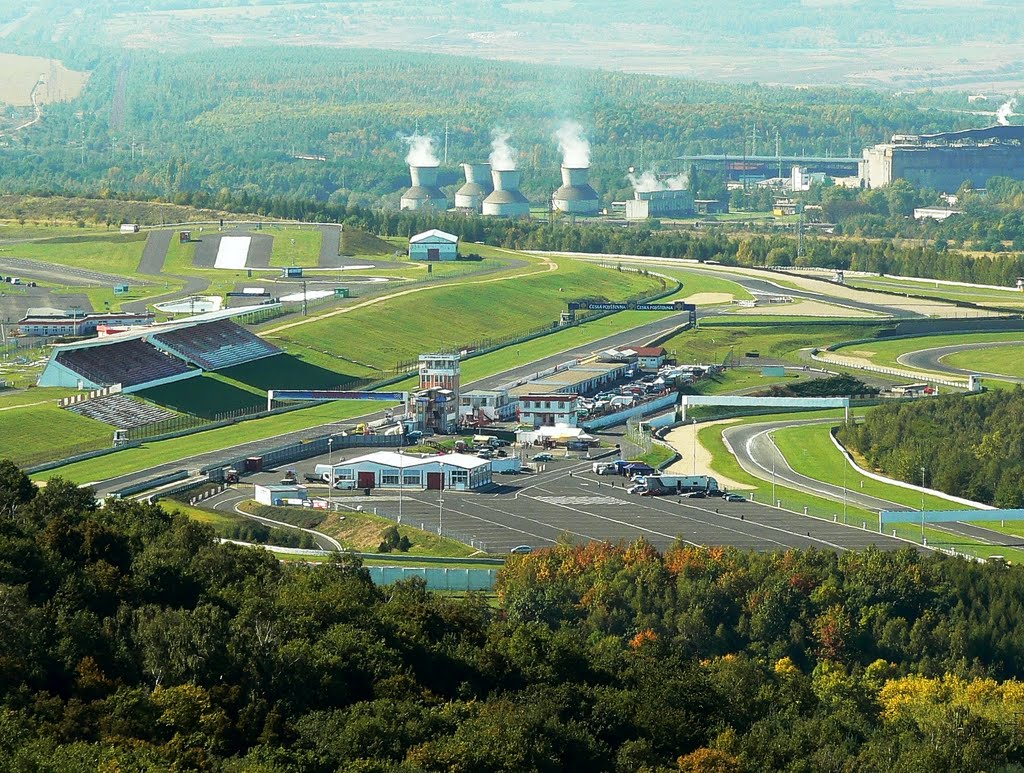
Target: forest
{"points": [[239, 120], [131, 640], [968, 446]]}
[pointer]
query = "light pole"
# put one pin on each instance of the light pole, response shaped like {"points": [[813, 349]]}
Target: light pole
{"points": [[401, 483], [330, 463], [772, 441], [922, 504], [440, 502], [844, 488], [693, 450]]}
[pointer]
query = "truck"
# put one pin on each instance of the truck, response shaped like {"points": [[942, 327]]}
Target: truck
{"points": [[663, 484]]}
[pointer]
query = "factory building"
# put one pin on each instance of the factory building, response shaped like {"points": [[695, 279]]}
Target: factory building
{"points": [[434, 245], [424, 193], [506, 200], [648, 204], [946, 161], [576, 196], [470, 197]]}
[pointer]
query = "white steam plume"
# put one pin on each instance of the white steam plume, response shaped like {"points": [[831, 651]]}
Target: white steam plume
{"points": [[1005, 111], [574, 146], [648, 182], [503, 155], [421, 151]]}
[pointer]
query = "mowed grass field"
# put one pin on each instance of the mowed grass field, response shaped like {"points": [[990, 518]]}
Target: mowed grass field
{"points": [[712, 343], [453, 316], [30, 431], [295, 246], [109, 253], [243, 387], [810, 451], [1005, 360], [163, 451]]}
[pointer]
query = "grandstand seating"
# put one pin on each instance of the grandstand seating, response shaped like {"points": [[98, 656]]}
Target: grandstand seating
{"points": [[121, 411], [127, 363], [215, 345]]}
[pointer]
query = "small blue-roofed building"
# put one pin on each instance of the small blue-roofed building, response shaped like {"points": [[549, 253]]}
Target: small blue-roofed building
{"points": [[434, 245]]}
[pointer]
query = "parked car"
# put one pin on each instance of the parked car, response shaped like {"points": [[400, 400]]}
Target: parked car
{"points": [[521, 550], [694, 495], [543, 457], [637, 488], [485, 453], [734, 498]]}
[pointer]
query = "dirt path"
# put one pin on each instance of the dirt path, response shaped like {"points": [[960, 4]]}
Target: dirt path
{"points": [[549, 265], [682, 440]]}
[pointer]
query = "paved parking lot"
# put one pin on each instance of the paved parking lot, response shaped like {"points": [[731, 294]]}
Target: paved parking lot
{"points": [[567, 499]]}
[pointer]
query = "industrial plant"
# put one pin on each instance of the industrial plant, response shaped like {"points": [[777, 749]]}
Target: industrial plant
{"points": [[424, 193], [576, 196], [947, 160], [470, 197], [506, 200]]}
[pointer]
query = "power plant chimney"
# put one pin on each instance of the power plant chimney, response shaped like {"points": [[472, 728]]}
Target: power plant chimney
{"points": [[470, 197], [424, 193], [506, 200], [576, 197]]}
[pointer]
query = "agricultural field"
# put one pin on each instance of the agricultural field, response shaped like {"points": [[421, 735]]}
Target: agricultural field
{"points": [[21, 74]]}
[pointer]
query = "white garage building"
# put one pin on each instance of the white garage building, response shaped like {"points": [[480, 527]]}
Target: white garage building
{"points": [[388, 469], [434, 245]]}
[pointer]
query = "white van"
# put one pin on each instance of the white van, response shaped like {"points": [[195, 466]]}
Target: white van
{"points": [[603, 468]]}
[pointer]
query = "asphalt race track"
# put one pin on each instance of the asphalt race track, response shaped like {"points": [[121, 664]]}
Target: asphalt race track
{"points": [[931, 359], [759, 456]]}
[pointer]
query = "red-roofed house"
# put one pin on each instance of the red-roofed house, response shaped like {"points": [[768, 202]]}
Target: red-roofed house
{"points": [[650, 357]]}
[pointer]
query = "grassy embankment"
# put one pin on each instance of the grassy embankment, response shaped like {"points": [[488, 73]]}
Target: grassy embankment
{"points": [[361, 532]]}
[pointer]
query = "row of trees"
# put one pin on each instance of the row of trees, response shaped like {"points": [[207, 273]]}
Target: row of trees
{"points": [[967, 446], [131, 640]]}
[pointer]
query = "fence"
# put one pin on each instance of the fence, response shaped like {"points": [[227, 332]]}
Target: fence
{"points": [[294, 452], [665, 401], [437, 578]]}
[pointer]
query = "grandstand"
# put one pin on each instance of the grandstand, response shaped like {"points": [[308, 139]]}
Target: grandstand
{"points": [[159, 354], [120, 411], [216, 345], [128, 363]]}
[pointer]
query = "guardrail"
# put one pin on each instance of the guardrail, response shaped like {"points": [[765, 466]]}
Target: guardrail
{"points": [[907, 374]]}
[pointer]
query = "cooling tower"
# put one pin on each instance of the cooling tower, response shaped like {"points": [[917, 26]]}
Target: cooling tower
{"points": [[506, 200], [478, 186], [424, 193], [576, 197]]}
